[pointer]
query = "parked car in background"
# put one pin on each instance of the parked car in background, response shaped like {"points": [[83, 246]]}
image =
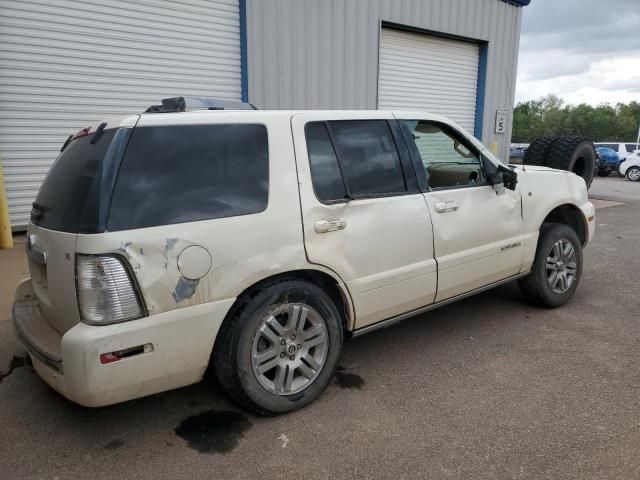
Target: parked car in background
{"points": [[630, 168], [622, 149], [608, 161]]}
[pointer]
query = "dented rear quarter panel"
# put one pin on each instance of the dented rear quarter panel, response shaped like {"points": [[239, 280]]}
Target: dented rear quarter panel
{"points": [[243, 249]]}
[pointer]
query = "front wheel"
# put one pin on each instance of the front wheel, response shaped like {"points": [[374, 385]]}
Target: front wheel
{"points": [[557, 267], [280, 349], [633, 174]]}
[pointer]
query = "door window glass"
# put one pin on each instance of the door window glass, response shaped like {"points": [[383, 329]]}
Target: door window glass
{"points": [[325, 171], [448, 162], [368, 157]]}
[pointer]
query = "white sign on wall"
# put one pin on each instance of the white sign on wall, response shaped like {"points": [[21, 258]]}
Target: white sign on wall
{"points": [[501, 121]]}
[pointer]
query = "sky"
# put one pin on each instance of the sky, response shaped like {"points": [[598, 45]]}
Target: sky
{"points": [[584, 51]]}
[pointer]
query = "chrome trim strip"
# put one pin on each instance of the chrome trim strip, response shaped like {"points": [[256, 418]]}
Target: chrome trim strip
{"points": [[397, 319]]}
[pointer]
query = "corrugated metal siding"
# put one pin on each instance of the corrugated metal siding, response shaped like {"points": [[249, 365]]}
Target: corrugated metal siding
{"points": [[422, 72], [324, 54], [68, 63]]}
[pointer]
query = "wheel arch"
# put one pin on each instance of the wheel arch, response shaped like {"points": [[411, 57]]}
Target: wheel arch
{"points": [[327, 280], [570, 215]]}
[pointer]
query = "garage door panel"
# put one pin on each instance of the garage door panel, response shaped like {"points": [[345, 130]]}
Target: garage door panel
{"points": [[68, 64], [422, 72]]}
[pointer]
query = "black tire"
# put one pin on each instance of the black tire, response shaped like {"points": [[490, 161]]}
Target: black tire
{"points": [[603, 173], [535, 287], [537, 152], [574, 154], [633, 174], [233, 347]]}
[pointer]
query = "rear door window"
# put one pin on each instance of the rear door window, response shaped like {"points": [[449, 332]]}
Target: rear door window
{"points": [[631, 147], [368, 157], [325, 171], [176, 174]]}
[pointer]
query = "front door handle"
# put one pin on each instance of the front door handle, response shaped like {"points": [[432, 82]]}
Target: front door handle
{"points": [[324, 226], [444, 207]]}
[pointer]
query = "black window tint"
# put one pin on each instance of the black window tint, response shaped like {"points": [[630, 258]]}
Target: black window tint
{"points": [[175, 174], [631, 147], [325, 171], [368, 157], [69, 198]]}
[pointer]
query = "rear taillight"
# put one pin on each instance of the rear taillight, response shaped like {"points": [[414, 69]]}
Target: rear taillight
{"points": [[106, 292]]}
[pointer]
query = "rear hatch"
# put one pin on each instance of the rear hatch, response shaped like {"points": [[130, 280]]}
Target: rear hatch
{"points": [[73, 199]]}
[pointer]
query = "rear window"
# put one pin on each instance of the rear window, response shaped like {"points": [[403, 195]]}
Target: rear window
{"points": [[176, 174], [69, 199]]}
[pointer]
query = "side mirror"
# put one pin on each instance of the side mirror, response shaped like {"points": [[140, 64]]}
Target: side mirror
{"points": [[499, 176]]}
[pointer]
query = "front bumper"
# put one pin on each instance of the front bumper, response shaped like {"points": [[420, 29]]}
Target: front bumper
{"points": [[589, 212], [181, 344]]}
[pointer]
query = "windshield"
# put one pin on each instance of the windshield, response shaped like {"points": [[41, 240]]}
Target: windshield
{"points": [[69, 199]]}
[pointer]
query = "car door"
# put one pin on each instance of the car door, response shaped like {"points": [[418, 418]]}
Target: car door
{"points": [[362, 212], [477, 230]]}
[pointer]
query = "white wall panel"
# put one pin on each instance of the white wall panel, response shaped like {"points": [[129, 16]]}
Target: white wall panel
{"points": [[68, 63], [422, 72]]}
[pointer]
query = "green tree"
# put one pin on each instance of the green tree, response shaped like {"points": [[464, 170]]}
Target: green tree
{"points": [[551, 116]]}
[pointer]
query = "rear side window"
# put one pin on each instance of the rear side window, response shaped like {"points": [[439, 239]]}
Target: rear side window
{"points": [[631, 147], [176, 174], [368, 157], [70, 197]]}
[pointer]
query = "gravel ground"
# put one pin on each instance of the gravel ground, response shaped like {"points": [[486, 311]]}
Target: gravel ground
{"points": [[487, 388]]}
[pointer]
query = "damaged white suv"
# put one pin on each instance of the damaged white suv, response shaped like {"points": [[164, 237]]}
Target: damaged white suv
{"points": [[255, 242]]}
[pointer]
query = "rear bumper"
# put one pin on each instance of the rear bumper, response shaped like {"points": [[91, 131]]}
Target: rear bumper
{"points": [[181, 344]]}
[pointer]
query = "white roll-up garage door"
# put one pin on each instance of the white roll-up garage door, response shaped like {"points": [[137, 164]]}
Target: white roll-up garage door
{"points": [[422, 72], [68, 63]]}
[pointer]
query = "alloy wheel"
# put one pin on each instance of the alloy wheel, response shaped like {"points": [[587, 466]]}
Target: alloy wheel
{"points": [[561, 266], [289, 348]]}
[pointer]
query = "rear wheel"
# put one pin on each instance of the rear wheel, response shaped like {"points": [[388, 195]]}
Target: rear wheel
{"points": [[603, 173], [557, 267], [633, 174], [280, 349]]}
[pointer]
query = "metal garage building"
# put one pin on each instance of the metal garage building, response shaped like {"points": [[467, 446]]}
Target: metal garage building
{"points": [[67, 63]]}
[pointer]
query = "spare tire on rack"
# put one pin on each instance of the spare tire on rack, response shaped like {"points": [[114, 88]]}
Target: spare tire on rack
{"points": [[537, 152], [574, 154]]}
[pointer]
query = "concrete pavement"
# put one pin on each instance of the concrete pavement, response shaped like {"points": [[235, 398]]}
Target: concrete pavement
{"points": [[488, 388]]}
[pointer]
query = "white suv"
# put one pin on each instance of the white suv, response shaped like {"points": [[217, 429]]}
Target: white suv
{"points": [[255, 242]]}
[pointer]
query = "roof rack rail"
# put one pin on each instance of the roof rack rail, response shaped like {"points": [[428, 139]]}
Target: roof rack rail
{"points": [[185, 104]]}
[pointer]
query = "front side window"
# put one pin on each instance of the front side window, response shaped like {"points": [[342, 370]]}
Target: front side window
{"points": [[368, 157], [447, 160], [176, 174]]}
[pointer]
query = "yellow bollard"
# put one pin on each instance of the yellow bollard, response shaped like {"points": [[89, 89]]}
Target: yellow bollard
{"points": [[6, 240]]}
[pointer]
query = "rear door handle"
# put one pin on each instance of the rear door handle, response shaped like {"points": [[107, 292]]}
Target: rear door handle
{"points": [[325, 226], [444, 207]]}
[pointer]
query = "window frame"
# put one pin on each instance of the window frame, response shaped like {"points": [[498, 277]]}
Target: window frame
{"points": [[421, 171], [404, 159]]}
